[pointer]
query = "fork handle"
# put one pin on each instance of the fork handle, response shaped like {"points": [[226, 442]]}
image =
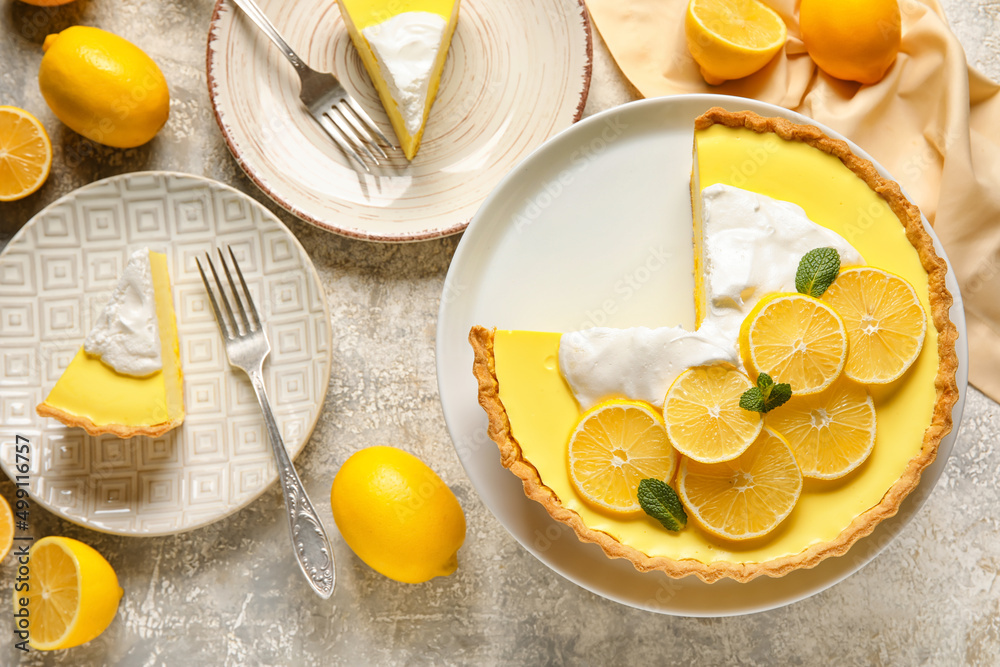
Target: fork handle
{"points": [[309, 538], [255, 14]]}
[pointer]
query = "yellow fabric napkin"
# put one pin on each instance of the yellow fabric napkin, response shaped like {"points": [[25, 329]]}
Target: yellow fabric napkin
{"points": [[933, 122]]}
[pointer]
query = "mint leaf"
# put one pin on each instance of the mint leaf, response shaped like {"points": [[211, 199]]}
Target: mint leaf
{"points": [[766, 396], [779, 395], [818, 268], [752, 400], [660, 501]]}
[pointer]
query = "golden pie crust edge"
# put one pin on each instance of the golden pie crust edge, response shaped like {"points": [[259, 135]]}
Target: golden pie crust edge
{"points": [[945, 384], [120, 430]]}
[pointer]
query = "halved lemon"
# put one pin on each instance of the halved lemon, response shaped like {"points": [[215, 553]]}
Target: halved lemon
{"points": [[885, 323], [25, 154], [704, 419], [615, 445], [731, 39], [746, 497], [72, 594], [6, 528], [830, 433], [796, 339]]}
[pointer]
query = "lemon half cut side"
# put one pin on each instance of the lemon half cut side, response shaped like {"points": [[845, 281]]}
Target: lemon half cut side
{"points": [[72, 594], [25, 154], [731, 39]]}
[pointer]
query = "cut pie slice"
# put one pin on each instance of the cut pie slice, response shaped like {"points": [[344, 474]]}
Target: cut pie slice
{"points": [[403, 45], [126, 379], [529, 382]]}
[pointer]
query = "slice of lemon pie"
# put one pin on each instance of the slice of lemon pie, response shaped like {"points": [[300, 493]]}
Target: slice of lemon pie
{"points": [[765, 193], [403, 45], [126, 379]]}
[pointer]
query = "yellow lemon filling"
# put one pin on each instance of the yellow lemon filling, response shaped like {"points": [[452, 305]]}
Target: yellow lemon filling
{"points": [[543, 412]]}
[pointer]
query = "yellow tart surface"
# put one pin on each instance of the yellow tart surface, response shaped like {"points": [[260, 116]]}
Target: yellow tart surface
{"points": [[92, 395], [360, 15], [913, 412]]}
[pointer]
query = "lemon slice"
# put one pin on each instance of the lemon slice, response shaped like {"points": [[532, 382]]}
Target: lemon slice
{"points": [[704, 419], [796, 339], [72, 594], [885, 323], [746, 497], [830, 433], [731, 39], [615, 445], [25, 154]]}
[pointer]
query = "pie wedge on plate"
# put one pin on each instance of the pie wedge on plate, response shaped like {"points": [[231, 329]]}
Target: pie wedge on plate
{"points": [[403, 45], [126, 379]]}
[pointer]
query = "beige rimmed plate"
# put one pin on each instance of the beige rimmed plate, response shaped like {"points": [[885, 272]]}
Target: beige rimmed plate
{"points": [[55, 276], [517, 73]]}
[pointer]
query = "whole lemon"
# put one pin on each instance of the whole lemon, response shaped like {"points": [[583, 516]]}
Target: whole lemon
{"points": [[397, 515], [103, 87], [855, 40]]}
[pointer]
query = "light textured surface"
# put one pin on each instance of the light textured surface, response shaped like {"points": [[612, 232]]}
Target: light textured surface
{"points": [[230, 594]]}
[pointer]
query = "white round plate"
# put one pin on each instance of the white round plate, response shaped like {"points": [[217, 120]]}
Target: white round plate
{"points": [[579, 235], [517, 73], [56, 275]]}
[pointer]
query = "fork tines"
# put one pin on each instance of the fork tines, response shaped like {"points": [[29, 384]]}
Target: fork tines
{"points": [[353, 130], [233, 327]]}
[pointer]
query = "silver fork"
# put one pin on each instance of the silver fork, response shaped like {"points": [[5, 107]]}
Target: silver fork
{"points": [[247, 347], [326, 99]]}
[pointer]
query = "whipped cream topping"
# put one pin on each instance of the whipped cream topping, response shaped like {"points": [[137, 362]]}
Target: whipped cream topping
{"points": [[751, 247], [126, 335], [638, 363], [406, 46]]}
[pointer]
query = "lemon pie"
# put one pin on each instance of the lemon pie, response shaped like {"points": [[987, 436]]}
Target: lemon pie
{"points": [[126, 379], [764, 191], [403, 45]]}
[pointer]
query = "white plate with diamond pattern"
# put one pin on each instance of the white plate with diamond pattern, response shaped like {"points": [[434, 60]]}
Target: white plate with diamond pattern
{"points": [[55, 276]]}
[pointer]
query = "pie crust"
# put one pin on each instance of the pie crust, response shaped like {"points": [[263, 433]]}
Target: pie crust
{"points": [[945, 384], [121, 430]]}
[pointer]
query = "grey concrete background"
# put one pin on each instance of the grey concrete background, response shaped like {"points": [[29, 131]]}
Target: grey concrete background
{"points": [[229, 594]]}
